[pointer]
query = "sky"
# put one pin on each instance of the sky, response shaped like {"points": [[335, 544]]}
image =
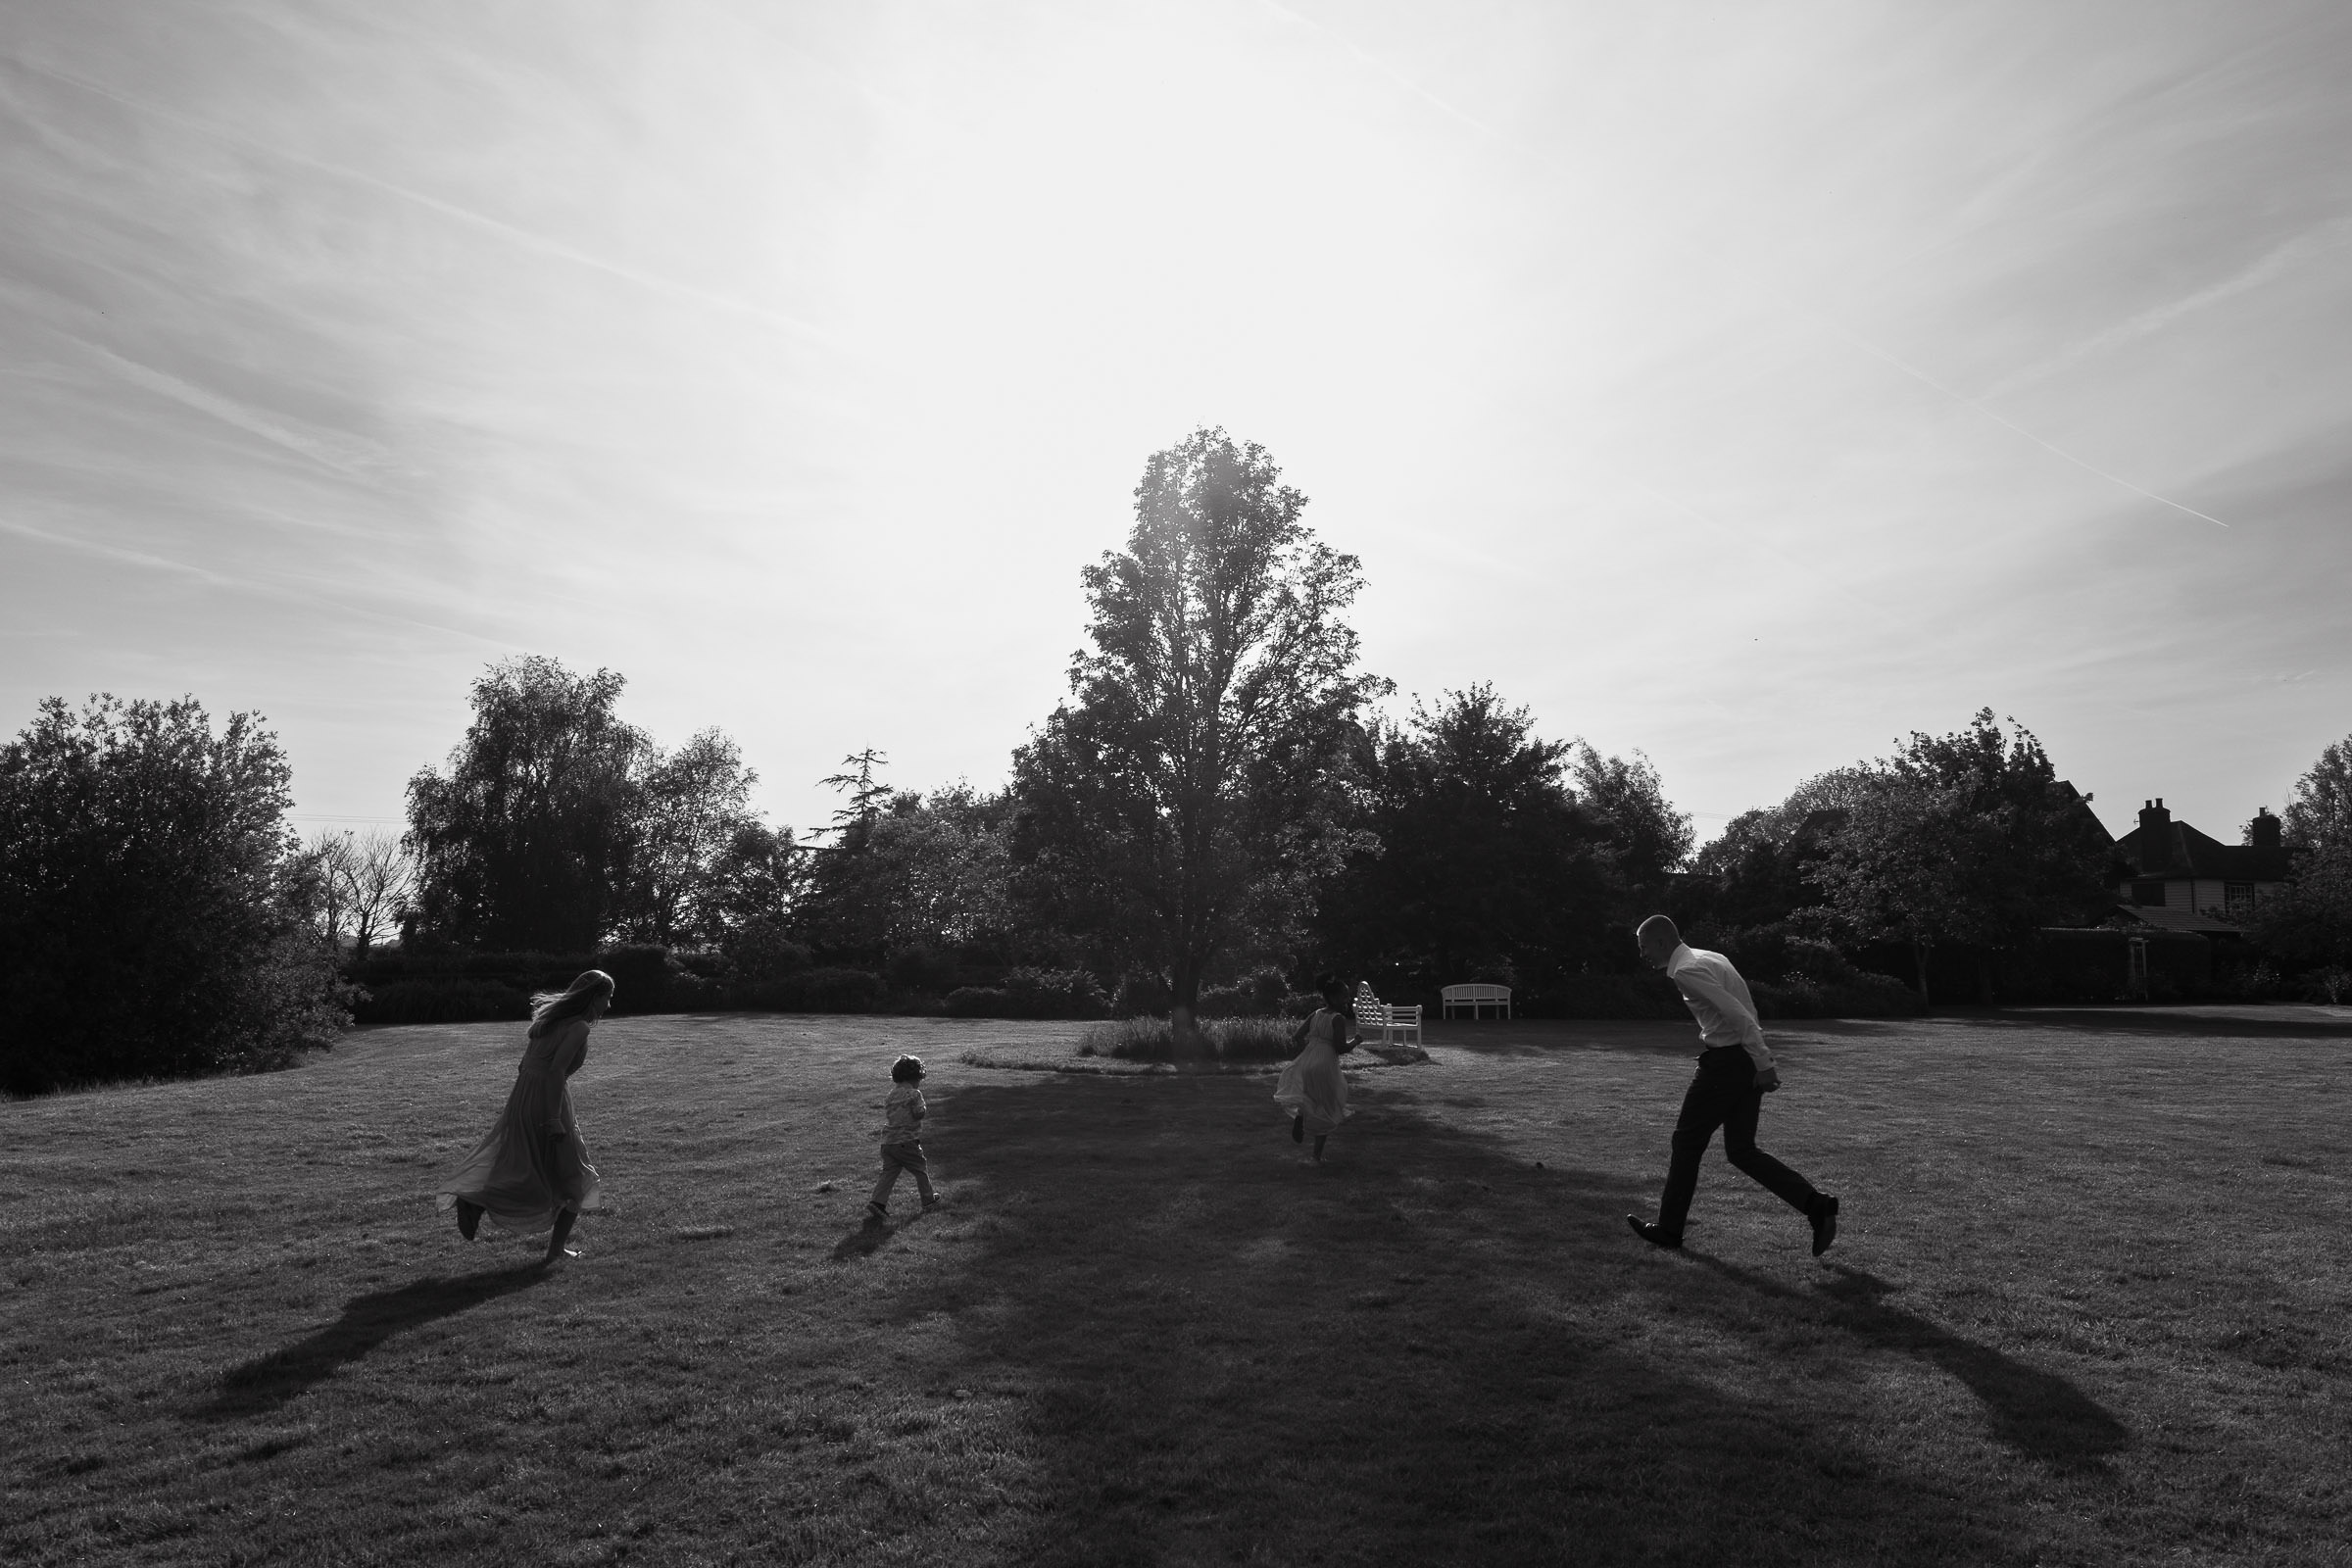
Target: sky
{"points": [[1751, 385]]}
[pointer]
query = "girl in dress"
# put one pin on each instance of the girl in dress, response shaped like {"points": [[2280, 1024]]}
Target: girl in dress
{"points": [[532, 1171], [1311, 1088]]}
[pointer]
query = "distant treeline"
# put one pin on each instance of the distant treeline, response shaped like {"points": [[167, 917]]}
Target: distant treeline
{"points": [[1218, 812]]}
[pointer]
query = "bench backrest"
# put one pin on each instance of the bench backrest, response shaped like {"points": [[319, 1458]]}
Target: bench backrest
{"points": [[1478, 993]]}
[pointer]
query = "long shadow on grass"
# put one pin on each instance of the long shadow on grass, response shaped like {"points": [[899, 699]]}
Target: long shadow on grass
{"points": [[367, 1321], [1426, 1351], [2159, 1024], [2038, 1414]]}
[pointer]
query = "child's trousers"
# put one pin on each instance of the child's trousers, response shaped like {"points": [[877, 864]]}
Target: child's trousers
{"points": [[906, 1156]]}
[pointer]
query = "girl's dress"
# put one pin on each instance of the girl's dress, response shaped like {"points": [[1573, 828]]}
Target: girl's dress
{"points": [[533, 1163], [1312, 1085]]}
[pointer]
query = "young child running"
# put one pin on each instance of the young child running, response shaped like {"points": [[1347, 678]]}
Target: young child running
{"points": [[1313, 1087], [903, 1116]]}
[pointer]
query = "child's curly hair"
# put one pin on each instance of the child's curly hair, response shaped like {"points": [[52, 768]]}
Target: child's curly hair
{"points": [[907, 1069]]}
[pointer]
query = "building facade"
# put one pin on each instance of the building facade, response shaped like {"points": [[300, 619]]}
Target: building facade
{"points": [[2173, 877]]}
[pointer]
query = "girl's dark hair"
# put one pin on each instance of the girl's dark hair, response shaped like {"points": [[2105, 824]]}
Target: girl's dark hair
{"points": [[1330, 985], [551, 1007], [907, 1069]]}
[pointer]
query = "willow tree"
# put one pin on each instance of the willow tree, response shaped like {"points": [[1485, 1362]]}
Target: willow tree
{"points": [[1182, 804]]}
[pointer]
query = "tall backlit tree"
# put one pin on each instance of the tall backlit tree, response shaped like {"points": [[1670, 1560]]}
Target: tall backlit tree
{"points": [[526, 841], [1182, 804]]}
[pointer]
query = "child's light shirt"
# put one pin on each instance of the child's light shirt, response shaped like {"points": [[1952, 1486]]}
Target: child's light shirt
{"points": [[903, 1114]]}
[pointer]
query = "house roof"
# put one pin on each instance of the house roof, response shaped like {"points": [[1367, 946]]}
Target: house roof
{"points": [[2181, 850], [2081, 804], [2178, 920]]}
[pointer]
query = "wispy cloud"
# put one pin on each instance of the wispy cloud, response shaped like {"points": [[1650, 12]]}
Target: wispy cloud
{"points": [[350, 456], [539, 244], [2312, 245]]}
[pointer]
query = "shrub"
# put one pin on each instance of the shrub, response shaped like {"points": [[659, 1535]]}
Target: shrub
{"points": [[2329, 984], [1298, 1004], [1604, 996], [1260, 993], [978, 1002], [1142, 996], [2255, 982], [1053, 994], [758, 951], [154, 912], [1224, 1002], [1864, 996], [828, 990], [1818, 961], [1225, 1039], [920, 969], [442, 1002], [1031, 994], [645, 977]]}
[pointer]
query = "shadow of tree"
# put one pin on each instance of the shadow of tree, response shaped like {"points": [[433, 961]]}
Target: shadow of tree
{"points": [[367, 1321], [2157, 1024], [1424, 1352], [2038, 1414]]}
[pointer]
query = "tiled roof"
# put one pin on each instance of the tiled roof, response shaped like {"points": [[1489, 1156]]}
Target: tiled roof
{"points": [[2178, 920], [2190, 852]]}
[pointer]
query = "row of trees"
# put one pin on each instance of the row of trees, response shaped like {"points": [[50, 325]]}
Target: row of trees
{"points": [[1969, 839], [1219, 792], [1216, 793]]}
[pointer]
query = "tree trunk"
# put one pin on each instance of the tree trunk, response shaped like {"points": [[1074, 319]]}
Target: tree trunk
{"points": [[1184, 987], [1919, 958]]}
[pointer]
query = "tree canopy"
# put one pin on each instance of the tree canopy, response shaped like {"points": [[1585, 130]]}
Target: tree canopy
{"points": [[1188, 798], [1964, 838], [525, 843], [156, 914], [558, 826], [1478, 863], [2320, 814]]}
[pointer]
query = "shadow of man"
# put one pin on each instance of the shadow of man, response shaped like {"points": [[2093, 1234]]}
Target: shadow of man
{"points": [[2038, 1414], [367, 1321]]}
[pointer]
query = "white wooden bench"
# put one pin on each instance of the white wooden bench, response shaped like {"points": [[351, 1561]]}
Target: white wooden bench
{"points": [[1476, 997], [1398, 1024]]}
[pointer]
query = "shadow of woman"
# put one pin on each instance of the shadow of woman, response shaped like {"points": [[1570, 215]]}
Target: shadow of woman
{"points": [[367, 1321], [2038, 1414]]}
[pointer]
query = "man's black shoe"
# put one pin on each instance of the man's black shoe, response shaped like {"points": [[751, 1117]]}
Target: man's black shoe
{"points": [[1648, 1231], [1824, 1224]]}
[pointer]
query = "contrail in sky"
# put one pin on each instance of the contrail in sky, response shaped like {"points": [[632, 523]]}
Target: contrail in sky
{"points": [[251, 584], [1384, 68], [519, 236], [1778, 297]]}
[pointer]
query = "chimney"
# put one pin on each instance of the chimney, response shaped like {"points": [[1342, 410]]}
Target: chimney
{"points": [[2155, 838], [2263, 831]]}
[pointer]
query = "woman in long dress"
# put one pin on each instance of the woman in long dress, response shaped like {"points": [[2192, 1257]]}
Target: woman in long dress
{"points": [[1312, 1089], [531, 1172]]}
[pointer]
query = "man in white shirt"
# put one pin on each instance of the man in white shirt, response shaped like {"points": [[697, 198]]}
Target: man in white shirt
{"points": [[1735, 1073]]}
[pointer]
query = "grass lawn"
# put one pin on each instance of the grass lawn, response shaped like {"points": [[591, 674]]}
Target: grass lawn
{"points": [[2089, 1305]]}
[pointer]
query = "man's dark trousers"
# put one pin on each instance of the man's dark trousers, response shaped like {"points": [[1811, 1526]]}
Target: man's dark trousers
{"points": [[1724, 1094]]}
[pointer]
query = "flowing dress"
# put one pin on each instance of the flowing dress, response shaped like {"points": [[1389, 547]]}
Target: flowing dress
{"points": [[533, 1164], [1312, 1085]]}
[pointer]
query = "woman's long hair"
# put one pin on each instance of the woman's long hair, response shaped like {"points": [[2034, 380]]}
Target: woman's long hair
{"points": [[551, 1007]]}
